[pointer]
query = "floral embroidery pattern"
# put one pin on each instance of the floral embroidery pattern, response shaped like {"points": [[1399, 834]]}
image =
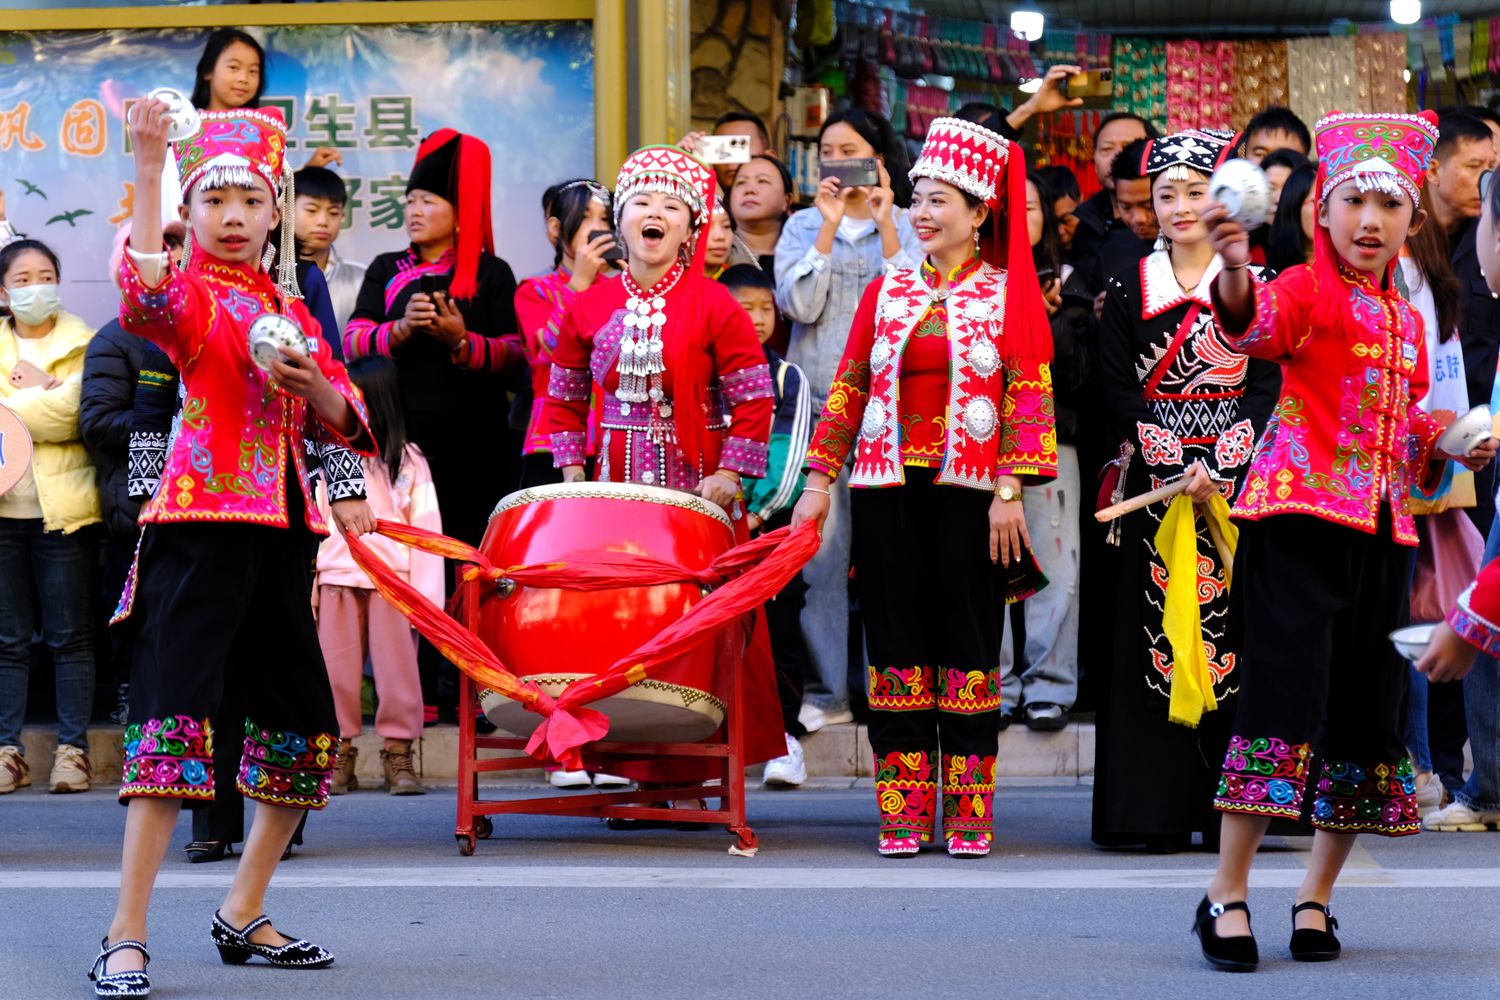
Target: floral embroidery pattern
{"points": [[901, 689], [968, 794], [1159, 446], [1264, 776], [1377, 799], [1235, 446], [169, 758], [906, 790], [967, 692], [286, 769]]}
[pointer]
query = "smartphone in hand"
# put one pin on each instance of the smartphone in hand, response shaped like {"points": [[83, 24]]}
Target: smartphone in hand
{"points": [[25, 375], [617, 252], [861, 172]]}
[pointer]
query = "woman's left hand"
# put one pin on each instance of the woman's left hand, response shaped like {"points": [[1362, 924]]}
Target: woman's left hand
{"points": [[1052, 296], [719, 489], [448, 326], [1480, 457], [1009, 538], [1448, 656], [354, 517]]}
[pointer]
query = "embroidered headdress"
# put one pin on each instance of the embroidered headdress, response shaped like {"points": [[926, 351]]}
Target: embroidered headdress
{"points": [[456, 168], [1379, 152], [232, 149], [1196, 149], [982, 163], [667, 170]]}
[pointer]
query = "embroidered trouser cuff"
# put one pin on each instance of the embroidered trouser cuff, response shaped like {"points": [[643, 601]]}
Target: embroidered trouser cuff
{"points": [[172, 758]]}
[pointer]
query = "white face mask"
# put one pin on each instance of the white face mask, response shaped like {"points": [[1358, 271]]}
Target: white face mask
{"points": [[34, 304]]}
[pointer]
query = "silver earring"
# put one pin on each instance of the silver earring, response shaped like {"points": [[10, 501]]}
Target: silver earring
{"points": [[267, 257], [976, 239], [187, 248]]}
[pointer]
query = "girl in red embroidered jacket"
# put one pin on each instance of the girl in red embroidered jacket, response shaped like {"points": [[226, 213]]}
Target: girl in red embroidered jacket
{"points": [[944, 399], [1322, 574], [222, 573]]}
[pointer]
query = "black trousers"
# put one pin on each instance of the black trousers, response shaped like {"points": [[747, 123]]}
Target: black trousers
{"points": [[224, 619], [788, 645], [933, 608], [1319, 601]]}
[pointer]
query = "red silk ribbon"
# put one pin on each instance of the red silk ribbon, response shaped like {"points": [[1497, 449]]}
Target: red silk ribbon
{"points": [[745, 577]]}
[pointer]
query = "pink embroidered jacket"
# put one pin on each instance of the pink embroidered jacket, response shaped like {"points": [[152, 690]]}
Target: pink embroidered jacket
{"points": [[998, 412], [1347, 434], [228, 461]]}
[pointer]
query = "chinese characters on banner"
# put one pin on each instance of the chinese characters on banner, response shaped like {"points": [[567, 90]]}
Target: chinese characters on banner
{"points": [[371, 93]]}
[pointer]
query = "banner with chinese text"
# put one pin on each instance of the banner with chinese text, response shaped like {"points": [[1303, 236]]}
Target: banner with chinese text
{"points": [[371, 92]]}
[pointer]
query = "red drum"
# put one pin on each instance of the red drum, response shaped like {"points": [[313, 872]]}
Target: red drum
{"points": [[557, 637]]}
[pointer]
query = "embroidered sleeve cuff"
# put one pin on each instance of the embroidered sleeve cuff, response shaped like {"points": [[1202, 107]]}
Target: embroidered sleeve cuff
{"points": [[744, 456], [748, 383], [568, 447], [1472, 627], [343, 472], [570, 384]]}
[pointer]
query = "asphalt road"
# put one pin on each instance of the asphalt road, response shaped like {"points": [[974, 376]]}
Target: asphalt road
{"points": [[564, 908]]}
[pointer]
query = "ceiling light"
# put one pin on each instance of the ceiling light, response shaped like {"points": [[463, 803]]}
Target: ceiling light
{"points": [[1406, 11], [1028, 23], [1030, 86]]}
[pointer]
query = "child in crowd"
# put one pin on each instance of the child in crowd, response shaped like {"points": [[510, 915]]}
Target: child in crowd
{"points": [[354, 622], [769, 501], [720, 240], [321, 201], [1322, 576], [222, 574]]}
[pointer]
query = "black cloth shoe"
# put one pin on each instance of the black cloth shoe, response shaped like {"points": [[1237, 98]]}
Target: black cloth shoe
{"points": [[1309, 945], [1232, 954], [235, 947], [201, 852], [134, 983]]}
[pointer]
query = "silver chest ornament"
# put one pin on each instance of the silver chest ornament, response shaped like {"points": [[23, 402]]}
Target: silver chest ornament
{"points": [[881, 355], [984, 358], [980, 419], [874, 420], [270, 332]]}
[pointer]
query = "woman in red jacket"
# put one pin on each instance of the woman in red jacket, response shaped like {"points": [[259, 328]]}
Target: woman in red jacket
{"points": [[944, 399]]}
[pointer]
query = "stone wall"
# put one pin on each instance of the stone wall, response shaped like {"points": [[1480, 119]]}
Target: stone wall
{"points": [[739, 47]]}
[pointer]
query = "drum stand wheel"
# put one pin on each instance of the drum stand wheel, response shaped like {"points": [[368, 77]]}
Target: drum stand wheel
{"points": [[465, 844]]}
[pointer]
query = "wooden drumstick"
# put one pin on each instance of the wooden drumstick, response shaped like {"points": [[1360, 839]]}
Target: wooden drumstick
{"points": [[1144, 500], [1226, 554]]}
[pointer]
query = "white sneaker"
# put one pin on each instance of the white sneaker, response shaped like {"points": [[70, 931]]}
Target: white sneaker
{"points": [[568, 779], [789, 771], [814, 717], [602, 780], [1430, 796], [1460, 818]]}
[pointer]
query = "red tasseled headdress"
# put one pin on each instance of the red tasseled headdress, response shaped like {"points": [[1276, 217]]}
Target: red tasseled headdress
{"points": [[456, 167], [972, 159]]}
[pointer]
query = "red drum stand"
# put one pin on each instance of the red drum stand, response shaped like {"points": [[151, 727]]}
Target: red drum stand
{"points": [[726, 746]]}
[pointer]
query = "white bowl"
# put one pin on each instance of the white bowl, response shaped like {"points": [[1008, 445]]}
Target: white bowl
{"points": [[1242, 188], [183, 119], [1467, 432], [271, 331], [1413, 640]]}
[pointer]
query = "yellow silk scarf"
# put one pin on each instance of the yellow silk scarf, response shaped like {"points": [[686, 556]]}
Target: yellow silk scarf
{"points": [[1192, 688]]}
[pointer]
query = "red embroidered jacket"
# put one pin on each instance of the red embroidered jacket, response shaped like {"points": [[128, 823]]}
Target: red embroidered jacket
{"points": [[634, 447], [1347, 434], [1476, 616], [997, 413], [228, 461]]}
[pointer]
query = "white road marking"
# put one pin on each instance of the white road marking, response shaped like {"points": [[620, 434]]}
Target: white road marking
{"points": [[751, 875]]}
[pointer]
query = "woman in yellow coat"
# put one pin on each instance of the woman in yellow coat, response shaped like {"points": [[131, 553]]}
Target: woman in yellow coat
{"points": [[47, 556]]}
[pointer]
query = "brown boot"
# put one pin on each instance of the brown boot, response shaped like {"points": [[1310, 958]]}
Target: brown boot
{"points": [[400, 778], [343, 780]]}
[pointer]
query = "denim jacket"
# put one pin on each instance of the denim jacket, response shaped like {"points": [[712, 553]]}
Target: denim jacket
{"points": [[820, 292]]}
